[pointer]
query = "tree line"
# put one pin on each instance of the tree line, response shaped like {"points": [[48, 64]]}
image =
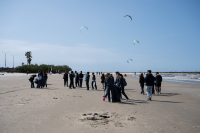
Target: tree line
{"points": [[43, 67]]}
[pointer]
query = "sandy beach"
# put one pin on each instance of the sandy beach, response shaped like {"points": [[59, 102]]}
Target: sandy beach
{"points": [[58, 109]]}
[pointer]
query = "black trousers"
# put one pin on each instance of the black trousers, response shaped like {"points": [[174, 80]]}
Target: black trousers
{"points": [[87, 85], [77, 82], [81, 81], [65, 82], [94, 85], [71, 84]]}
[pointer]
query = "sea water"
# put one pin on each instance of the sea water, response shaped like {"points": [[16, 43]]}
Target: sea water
{"points": [[183, 78]]}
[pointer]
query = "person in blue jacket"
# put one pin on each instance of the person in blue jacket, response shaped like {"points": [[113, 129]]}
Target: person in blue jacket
{"points": [[71, 77], [87, 80], [94, 82]]}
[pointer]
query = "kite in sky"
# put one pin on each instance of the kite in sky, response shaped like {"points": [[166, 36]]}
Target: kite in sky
{"points": [[82, 28], [128, 16], [128, 60], [135, 41]]}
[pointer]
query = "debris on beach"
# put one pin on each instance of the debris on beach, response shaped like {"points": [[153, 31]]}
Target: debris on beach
{"points": [[99, 119], [55, 98]]}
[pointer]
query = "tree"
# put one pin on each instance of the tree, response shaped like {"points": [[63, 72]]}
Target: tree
{"points": [[28, 57], [22, 63]]}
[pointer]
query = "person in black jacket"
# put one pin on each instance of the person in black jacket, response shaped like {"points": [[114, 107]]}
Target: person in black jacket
{"points": [[65, 77], [81, 79], [76, 78], [71, 77], [158, 82], [141, 81], [94, 82], [153, 91], [121, 84], [149, 80], [87, 80], [103, 80], [117, 77], [109, 87], [44, 79], [113, 80], [31, 80]]}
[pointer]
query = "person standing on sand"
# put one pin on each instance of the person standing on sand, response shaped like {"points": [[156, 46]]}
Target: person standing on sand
{"points": [[44, 79], [76, 78], [81, 79], [65, 77], [153, 91], [40, 77], [71, 77], [27, 72], [117, 78], [149, 80], [113, 80], [94, 82], [103, 80], [109, 87], [122, 85], [87, 80], [158, 83], [141, 81]]}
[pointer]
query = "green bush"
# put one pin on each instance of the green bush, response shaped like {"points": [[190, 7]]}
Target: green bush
{"points": [[43, 67]]}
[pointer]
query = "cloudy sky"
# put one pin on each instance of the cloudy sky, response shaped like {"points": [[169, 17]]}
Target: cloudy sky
{"points": [[168, 31]]}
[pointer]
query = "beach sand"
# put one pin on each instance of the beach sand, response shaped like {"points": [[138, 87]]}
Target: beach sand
{"points": [[58, 109]]}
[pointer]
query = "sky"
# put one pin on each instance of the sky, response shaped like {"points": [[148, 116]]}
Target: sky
{"points": [[168, 32]]}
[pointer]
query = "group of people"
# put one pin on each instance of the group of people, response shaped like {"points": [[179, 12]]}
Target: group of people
{"points": [[116, 87], [41, 81], [111, 86], [150, 81], [78, 78]]}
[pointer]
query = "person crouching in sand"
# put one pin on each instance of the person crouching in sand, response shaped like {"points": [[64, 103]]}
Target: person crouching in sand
{"points": [[31, 80]]}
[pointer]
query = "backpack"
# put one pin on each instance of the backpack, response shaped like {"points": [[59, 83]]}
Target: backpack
{"points": [[64, 76], [36, 81], [125, 84]]}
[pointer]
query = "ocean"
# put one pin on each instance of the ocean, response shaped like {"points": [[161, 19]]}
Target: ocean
{"points": [[183, 78]]}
